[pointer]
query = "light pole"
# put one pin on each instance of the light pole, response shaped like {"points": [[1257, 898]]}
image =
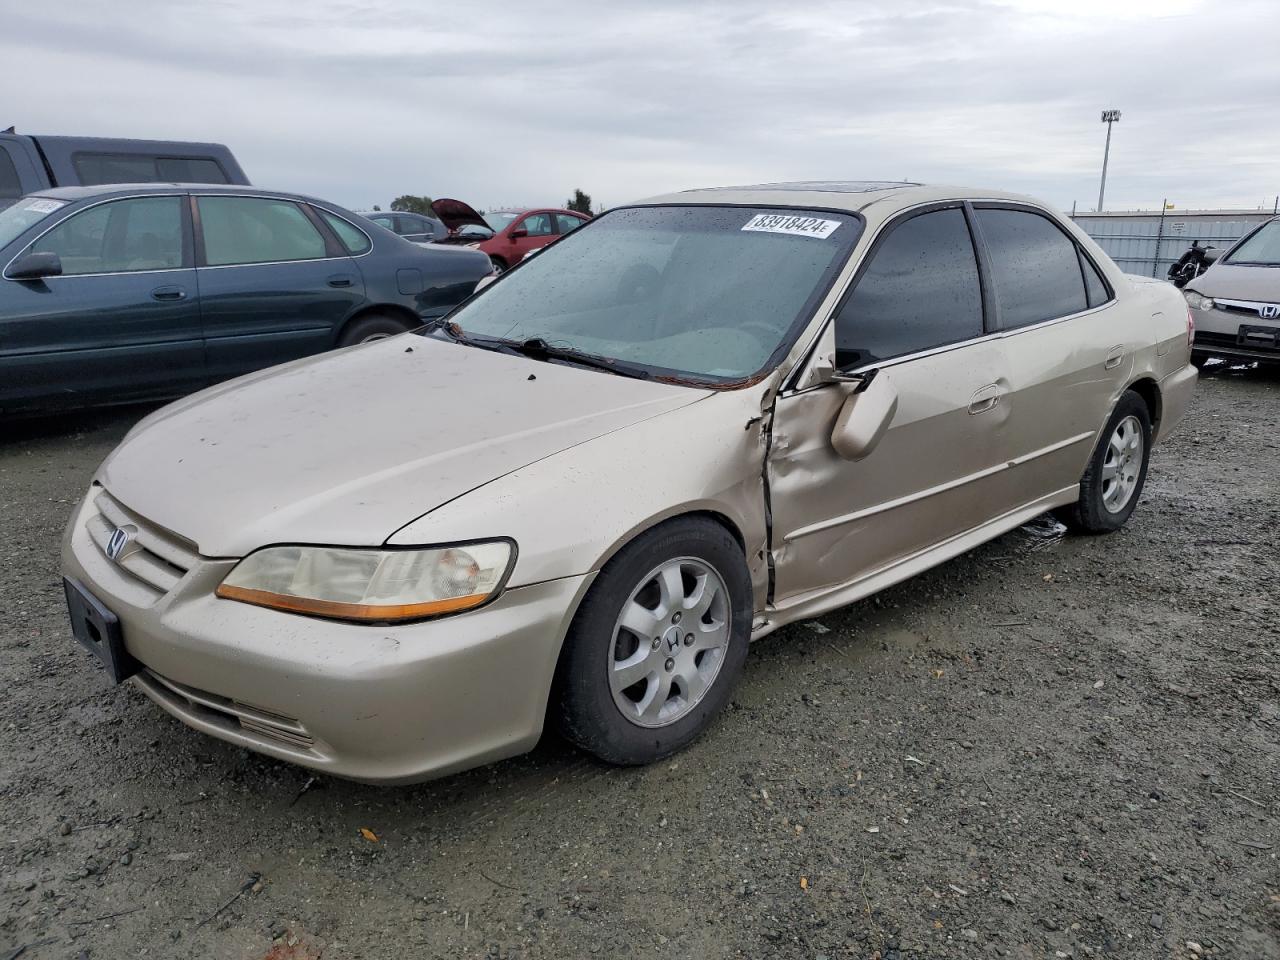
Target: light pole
{"points": [[1108, 117]]}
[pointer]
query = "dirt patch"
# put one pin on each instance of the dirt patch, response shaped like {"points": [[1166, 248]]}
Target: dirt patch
{"points": [[1050, 747]]}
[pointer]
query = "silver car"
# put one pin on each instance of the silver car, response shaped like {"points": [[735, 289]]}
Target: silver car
{"points": [[1236, 302], [690, 422]]}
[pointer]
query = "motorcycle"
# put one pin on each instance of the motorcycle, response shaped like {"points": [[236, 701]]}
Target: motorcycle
{"points": [[1191, 264]]}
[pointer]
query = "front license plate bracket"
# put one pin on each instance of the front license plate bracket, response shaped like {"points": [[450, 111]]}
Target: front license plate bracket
{"points": [[98, 629]]}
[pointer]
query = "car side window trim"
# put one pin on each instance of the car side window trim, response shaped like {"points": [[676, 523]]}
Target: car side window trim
{"points": [[1081, 254], [882, 237], [330, 241], [797, 374], [188, 247]]}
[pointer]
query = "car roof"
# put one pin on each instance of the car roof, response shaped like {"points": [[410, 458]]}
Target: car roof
{"points": [[134, 189], [851, 195]]}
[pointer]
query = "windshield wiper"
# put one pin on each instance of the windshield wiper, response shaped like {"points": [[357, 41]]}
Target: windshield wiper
{"points": [[537, 348]]}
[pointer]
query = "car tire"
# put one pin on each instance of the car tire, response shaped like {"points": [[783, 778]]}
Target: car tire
{"points": [[499, 265], [370, 327], [636, 622], [1117, 470]]}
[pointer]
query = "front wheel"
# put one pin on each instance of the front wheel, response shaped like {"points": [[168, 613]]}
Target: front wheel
{"points": [[1117, 471], [499, 265], [658, 643]]}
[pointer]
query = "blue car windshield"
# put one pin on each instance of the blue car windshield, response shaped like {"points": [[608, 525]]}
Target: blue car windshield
{"points": [[27, 212], [712, 293]]}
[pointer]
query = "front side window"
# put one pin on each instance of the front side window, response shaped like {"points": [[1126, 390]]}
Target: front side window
{"points": [[1034, 267], [239, 230], [538, 225], [708, 292], [919, 291], [122, 236], [16, 219], [1262, 249], [353, 239]]}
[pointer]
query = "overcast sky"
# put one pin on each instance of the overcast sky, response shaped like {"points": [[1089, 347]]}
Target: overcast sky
{"points": [[518, 103]]}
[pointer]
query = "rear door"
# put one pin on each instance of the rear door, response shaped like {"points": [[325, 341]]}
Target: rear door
{"points": [[1068, 356], [275, 283], [121, 323], [566, 222], [915, 315]]}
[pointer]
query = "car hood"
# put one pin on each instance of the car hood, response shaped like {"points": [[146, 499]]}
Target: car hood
{"points": [[1239, 283], [348, 447], [454, 214]]}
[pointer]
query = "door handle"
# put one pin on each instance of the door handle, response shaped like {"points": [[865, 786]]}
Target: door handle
{"points": [[340, 281], [984, 398], [168, 293], [1114, 356]]}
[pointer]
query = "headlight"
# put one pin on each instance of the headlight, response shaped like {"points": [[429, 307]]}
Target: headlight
{"points": [[371, 585], [1196, 301]]}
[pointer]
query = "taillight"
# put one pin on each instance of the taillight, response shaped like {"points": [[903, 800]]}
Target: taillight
{"points": [[1191, 329]]}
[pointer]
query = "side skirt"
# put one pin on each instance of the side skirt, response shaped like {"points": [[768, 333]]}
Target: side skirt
{"points": [[814, 603]]}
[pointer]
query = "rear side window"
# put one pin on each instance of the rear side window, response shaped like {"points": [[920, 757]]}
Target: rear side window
{"points": [[567, 222], [354, 240], [10, 186], [412, 225], [920, 290], [1034, 267], [189, 170], [123, 236], [257, 230], [97, 168]]}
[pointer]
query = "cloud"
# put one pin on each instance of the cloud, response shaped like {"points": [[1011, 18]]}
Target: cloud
{"points": [[515, 103]]}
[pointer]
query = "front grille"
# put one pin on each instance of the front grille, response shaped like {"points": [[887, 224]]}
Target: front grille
{"points": [[153, 558], [231, 715], [1243, 308]]}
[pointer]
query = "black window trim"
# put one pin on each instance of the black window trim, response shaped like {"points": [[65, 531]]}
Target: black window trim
{"points": [[1082, 256], [331, 242], [188, 237]]}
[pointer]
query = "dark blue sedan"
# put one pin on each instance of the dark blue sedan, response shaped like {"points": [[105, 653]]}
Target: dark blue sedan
{"points": [[132, 292]]}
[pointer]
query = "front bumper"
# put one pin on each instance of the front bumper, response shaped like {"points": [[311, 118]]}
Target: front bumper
{"points": [[380, 704], [1236, 329]]}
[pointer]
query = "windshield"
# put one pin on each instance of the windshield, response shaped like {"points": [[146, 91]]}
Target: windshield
{"points": [[1261, 249], [26, 212], [712, 293], [499, 221]]}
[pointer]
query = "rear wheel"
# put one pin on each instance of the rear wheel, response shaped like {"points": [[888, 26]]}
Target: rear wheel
{"points": [[657, 645], [1117, 471], [370, 327]]}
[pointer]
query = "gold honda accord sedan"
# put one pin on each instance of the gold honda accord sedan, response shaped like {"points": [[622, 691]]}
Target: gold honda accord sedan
{"points": [[581, 496]]}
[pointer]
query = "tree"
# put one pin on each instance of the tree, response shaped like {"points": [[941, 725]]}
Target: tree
{"points": [[376, 208], [581, 202], [411, 204]]}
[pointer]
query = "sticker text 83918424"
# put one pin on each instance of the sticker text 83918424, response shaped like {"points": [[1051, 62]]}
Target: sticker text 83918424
{"points": [[795, 225]]}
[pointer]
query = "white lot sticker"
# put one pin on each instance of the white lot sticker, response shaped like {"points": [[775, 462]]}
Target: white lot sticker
{"points": [[797, 226], [43, 206]]}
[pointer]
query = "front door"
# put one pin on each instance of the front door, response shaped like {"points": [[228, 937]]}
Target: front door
{"points": [[273, 286], [915, 316], [122, 321], [534, 231]]}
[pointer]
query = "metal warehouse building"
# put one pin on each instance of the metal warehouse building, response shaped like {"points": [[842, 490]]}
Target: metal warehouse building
{"points": [[1148, 242]]}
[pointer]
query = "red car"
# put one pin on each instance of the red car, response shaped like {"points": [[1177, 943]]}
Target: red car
{"points": [[515, 232]]}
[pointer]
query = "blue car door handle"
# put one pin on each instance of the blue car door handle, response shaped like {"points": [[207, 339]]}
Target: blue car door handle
{"points": [[168, 293], [340, 280]]}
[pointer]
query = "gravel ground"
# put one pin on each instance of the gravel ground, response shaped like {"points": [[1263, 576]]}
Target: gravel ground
{"points": [[1047, 748]]}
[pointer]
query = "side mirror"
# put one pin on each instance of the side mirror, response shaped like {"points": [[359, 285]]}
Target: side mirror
{"points": [[865, 417], [518, 232], [33, 266]]}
